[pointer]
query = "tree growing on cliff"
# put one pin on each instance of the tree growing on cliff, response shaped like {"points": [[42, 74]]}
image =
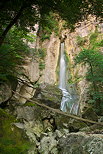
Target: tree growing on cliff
{"points": [[93, 59]]}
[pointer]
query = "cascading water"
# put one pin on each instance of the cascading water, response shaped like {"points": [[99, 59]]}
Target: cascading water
{"points": [[67, 102]]}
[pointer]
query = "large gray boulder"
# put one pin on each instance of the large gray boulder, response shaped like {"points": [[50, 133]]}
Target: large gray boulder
{"points": [[81, 143]]}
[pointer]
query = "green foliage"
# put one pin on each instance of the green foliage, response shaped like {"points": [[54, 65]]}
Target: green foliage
{"points": [[48, 25], [12, 140], [42, 53], [80, 41], [93, 59], [13, 51], [41, 65], [70, 10]]}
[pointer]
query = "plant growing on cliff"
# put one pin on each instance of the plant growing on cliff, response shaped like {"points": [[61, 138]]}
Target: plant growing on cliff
{"points": [[93, 59], [48, 24], [81, 41]]}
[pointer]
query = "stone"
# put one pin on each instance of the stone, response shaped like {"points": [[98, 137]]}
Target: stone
{"points": [[50, 95], [58, 133], [75, 125], [25, 113], [81, 143], [89, 113], [100, 119], [19, 125], [5, 92], [48, 145], [93, 129]]}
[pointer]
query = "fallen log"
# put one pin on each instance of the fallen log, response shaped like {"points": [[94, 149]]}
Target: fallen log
{"points": [[61, 112]]}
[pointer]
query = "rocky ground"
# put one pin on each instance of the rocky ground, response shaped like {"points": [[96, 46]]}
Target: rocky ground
{"points": [[32, 129]]}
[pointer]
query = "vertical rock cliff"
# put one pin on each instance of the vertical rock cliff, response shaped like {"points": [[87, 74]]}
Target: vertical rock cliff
{"points": [[52, 47]]}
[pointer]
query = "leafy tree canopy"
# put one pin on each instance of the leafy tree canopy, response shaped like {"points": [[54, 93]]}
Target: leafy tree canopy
{"points": [[25, 13], [13, 51]]}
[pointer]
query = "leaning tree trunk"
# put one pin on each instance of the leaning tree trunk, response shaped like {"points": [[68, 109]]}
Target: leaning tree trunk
{"points": [[2, 37]]}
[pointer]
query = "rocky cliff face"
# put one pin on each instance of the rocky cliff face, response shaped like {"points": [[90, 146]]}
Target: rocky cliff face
{"points": [[52, 53], [52, 46], [83, 30]]}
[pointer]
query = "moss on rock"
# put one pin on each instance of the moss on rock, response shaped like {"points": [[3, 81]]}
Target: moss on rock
{"points": [[12, 139], [50, 95], [89, 113]]}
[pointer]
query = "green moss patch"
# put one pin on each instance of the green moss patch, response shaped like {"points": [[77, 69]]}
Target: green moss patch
{"points": [[12, 139], [29, 104]]}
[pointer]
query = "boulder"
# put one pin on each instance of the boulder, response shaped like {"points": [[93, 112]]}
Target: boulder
{"points": [[75, 125], [48, 144], [81, 143], [49, 95], [12, 139], [89, 113]]}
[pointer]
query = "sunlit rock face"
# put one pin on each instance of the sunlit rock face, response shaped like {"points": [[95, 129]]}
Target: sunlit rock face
{"points": [[52, 49], [52, 46], [83, 30]]}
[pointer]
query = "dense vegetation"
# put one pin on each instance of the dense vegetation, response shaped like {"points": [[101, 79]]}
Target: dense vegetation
{"points": [[92, 58]]}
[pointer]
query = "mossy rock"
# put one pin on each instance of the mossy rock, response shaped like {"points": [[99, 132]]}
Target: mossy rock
{"points": [[89, 113], [75, 125], [12, 139], [94, 129], [81, 143], [51, 96]]}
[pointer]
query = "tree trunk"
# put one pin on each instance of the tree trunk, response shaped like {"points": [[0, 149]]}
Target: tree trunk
{"points": [[2, 37]]}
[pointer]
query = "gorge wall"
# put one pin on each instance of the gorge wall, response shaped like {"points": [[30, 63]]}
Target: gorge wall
{"points": [[49, 74]]}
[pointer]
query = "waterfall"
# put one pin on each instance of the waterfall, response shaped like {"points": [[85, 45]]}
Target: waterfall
{"points": [[67, 102], [62, 84]]}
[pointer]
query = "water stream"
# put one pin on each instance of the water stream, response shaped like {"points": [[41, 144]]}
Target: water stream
{"points": [[67, 102]]}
